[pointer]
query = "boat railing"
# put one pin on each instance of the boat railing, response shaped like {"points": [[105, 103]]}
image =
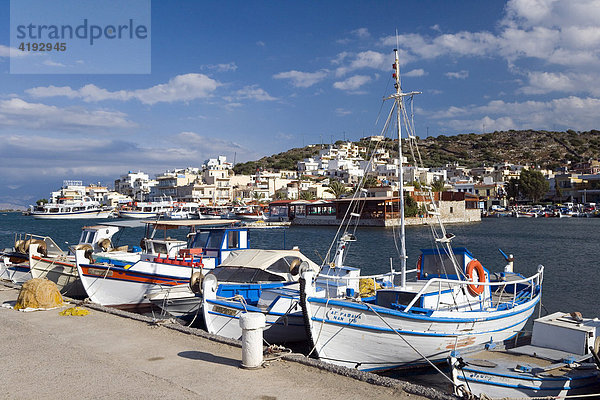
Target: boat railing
{"points": [[533, 282]]}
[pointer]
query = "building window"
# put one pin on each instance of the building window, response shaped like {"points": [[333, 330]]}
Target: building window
{"points": [[451, 210]]}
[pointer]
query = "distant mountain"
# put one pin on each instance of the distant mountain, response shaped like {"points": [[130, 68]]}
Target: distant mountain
{"points": [[543, 148]]}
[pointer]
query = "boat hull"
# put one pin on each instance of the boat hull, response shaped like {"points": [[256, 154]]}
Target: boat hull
{"points": [[373, 338], [62, 272], [73, 215], [502, 380], [126, 286]]}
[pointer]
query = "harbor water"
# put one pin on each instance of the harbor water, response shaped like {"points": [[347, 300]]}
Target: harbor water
{"points": [[567, 247]]}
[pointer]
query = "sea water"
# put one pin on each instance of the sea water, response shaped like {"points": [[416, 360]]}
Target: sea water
{"points": [[568, 248]]}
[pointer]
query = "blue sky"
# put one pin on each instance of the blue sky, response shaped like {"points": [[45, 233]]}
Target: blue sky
{"points": [[253, 78]]}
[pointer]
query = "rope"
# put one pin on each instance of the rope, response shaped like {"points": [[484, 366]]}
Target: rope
{"points": [[410, 345]]}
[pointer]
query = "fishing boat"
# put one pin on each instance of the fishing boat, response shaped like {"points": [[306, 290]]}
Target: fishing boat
{"points": [[388, 321], [256, 280], [59, 266], [14, 262], [559, 359], [164, 262], [71, 208]]}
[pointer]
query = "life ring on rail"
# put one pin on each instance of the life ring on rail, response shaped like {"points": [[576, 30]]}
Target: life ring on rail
{"points": [[476, 290]]}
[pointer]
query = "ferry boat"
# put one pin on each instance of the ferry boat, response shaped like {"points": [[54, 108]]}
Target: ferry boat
{"points": [[71, 208], [71, 202]]}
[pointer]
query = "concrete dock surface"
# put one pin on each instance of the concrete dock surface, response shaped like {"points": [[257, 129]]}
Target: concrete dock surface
{"points": [[108, 356]]}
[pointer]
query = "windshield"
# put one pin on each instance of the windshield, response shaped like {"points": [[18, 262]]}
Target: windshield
{"points": [[245, 275]]}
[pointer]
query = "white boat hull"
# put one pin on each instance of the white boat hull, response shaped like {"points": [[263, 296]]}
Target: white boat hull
{"points": [[222, 318], [510, 384], [353, 335], [116, 286], [62, 271], [73, 215]]}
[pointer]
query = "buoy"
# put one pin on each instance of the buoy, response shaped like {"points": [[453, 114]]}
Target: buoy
{"points": [[252, 325]]}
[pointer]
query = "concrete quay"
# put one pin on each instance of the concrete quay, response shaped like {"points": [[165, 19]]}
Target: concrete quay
{"points": [[112, 354]]}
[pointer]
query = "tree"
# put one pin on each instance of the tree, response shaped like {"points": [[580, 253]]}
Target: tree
{"points": [[438, 185], [371, 182], [337, 189], [41, 201], [533, 184], [411, 207], [306, 195], [512, 189]]}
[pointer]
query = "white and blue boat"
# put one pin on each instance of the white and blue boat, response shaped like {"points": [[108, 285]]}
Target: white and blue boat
{"points": [[454, 302], [165, 262], [260, 281], [558, 361]]}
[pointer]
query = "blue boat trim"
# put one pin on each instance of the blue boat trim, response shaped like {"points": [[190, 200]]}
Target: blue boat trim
{"points": [[408, 315], [527, 387], [530, 377], [380, 329]]}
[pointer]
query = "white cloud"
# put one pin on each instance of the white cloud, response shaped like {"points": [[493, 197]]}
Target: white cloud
{"points": [[342, 112], [414, 73], [458, 75], [19, 113], [568, 112], [180, 88], [361, 33], [6, 51], [222, 67], [260, 43], [51, 63], [367, 59], [302, 79], [352, 83], [252, 92], [211, 145]]}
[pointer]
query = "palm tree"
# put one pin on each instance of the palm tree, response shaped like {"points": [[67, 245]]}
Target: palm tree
{"points": [[337, 189], [306, 195], [438, 185]]}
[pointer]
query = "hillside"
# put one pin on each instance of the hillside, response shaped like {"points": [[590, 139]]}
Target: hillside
{"points": [[543, 148]]}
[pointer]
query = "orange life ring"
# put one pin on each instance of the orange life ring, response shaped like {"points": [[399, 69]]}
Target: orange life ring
{"points": [[476, 290], [419, 265]]}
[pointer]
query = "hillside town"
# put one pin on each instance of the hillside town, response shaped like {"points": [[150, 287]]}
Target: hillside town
{"points": [[318, 186]]}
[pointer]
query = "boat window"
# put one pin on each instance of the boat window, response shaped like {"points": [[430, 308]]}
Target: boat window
{"points": [[439, 265], [284, 264], [200, 239], [160, 248], [90, 238], [247, 275], [233, 239], [214, 240]]}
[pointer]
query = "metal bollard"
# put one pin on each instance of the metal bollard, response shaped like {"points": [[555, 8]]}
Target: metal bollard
{"points": [[252, 325]]}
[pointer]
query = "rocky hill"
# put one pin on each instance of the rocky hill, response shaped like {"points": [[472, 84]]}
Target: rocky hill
{"points": [[543, 148]]}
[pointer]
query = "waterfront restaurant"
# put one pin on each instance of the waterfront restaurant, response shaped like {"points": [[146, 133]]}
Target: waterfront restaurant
{"points": [[374, 211]]}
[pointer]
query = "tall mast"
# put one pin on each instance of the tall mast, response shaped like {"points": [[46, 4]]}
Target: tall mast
{"points": [[399, 102]]}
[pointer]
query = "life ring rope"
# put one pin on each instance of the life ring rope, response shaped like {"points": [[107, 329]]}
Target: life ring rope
{"points": [[475, 265]]}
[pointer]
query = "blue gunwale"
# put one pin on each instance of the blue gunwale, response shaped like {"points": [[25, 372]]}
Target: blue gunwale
{"points": [[418, 333], [408, 315]]}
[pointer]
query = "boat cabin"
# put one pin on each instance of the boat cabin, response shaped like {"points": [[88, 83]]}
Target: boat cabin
{"points": [[209, 240]]}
